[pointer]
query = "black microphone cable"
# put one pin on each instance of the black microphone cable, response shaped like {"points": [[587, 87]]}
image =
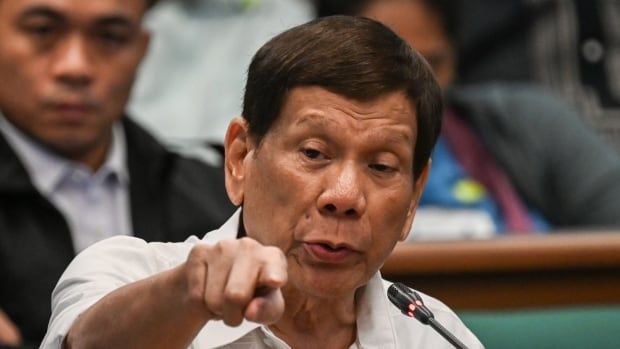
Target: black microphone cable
{"points": [[410, 303]]}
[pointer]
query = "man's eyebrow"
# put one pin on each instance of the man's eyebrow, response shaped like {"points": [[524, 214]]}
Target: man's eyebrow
{"points": [[41, 11], [313, 119], [398, 137], [110, 19], [116, 19], [316, 120]]}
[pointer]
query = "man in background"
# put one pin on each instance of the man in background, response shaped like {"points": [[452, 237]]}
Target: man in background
{"points": [[74, 170]]}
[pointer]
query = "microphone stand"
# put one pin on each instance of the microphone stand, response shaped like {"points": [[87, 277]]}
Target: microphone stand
{"points": [[446, 334]]}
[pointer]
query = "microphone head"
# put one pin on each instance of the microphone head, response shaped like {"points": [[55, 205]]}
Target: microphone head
{"points": [[400, 298], [409, 302]]}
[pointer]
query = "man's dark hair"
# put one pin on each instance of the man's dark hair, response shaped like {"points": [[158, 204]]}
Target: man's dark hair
{"points": [[354, 57]]}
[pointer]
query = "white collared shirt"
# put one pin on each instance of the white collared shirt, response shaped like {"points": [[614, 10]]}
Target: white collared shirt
{"points": [[115, 262], [95, 205]]}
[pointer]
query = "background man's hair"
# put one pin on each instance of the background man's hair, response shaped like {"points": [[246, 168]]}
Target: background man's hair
{"points": [[446, 10], [357, 58]]}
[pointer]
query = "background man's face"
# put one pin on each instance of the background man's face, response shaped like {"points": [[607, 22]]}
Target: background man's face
{"points": [[332, 186], [422, 29], [67, 67]]}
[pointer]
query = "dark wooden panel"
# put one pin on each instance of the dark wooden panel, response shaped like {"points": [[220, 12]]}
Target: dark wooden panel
{"points": [[513, 271]]}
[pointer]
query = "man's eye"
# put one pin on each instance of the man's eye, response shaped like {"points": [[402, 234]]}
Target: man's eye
{"points": [[382, 168], [113, 38], [40, 30], [311, 153]]}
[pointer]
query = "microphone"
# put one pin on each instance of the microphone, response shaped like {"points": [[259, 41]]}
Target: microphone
{"points": [[410, 303]]}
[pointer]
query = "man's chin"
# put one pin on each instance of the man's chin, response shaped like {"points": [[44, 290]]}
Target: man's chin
{"points": [[328, 284], [71, 145]]}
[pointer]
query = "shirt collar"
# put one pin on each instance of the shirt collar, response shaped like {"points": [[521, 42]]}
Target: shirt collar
{"points": [[116, 161], [375, 327], [375, 316], [228, 230], [46, 168]]}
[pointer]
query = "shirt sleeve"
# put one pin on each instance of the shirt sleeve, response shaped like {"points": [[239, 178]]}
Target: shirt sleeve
{"points": [[100, 269]]}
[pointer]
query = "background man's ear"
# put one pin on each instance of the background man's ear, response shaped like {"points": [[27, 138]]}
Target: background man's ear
{"points": [[237, 145], [419, 185], [145, 42]]}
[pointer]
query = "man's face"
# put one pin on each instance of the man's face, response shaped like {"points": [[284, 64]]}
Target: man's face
{"points": [[67, 67], [331, 184], [422, 29]]}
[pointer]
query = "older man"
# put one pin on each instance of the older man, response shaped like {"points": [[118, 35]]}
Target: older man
{"points": [[327, 163], [73, 170]]}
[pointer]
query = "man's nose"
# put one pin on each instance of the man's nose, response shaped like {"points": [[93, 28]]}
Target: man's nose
{"points": [[73, 64], [343, 195]]}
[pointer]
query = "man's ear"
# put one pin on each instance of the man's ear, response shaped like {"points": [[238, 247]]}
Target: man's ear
{"points": [[144, 41], [418, 189], [237, 148]]}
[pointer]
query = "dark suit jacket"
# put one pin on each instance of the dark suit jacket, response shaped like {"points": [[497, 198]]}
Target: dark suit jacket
{"points": [[171, 197]]}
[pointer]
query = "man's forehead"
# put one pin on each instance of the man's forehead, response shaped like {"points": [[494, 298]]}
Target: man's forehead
{"points": [[316, 108], [306, 101], [78, 9]]}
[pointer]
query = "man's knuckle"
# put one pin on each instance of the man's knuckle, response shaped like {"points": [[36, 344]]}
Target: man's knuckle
{"points": [[214, 304], [236, 296], [200, 253], [248, 243]]}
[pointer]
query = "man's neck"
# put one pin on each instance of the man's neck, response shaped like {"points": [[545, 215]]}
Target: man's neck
{"points": [[92, 157], [310, 322]]}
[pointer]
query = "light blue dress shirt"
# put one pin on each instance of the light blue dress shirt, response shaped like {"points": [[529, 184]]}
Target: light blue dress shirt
{"points": [[95, 204]]}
